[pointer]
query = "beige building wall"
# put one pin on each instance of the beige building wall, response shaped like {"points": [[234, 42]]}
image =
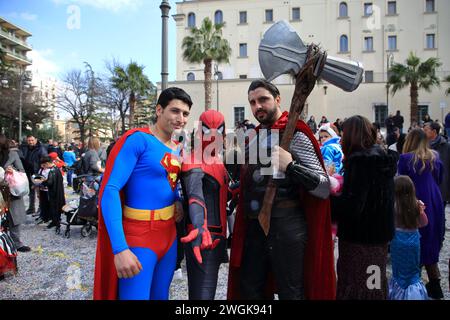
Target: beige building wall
{"points": [[320, 23]]}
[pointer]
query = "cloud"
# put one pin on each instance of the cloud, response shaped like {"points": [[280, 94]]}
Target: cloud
{"points": [[22, 15], [111, 5], [28, 16], [43, 65]]}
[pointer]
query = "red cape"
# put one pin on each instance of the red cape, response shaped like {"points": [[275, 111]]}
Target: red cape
{"points": [[319, 275], [105, 276]]}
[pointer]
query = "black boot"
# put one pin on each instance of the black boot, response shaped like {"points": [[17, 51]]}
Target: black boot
{"points": [[434, 289]]}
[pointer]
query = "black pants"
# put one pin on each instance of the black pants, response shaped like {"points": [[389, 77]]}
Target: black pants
{"points": [[44, 203], [202, 280], [49, 210], [281, 253]]}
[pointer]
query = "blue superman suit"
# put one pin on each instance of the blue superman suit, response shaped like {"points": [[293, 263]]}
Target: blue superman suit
{"points": [[137, 206]]}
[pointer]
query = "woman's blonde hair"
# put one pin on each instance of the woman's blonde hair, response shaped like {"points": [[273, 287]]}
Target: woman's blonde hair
{"points": [[417, 143], [93, 143]]}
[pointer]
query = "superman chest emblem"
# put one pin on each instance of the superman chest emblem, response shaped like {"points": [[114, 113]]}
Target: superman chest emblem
{"points": [[172, 165]]}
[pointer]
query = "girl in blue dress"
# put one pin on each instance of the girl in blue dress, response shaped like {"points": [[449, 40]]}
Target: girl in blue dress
{"points": [[406, 283]]}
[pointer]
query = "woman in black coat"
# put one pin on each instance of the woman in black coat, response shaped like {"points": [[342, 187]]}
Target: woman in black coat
{"points": [[364, 213]]}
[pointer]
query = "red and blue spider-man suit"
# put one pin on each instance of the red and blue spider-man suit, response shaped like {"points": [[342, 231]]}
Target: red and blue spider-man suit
{"points": [[205, 185], [136, 212]]}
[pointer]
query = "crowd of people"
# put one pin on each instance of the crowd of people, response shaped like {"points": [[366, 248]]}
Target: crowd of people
{"points": [[378, 196], [44, 166]]}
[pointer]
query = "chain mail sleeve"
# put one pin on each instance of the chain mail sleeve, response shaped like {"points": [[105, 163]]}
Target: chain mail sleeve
{"points": [[306, 168]]}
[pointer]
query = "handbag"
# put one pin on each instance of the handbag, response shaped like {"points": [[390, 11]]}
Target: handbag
{"points": [[18, 183]]}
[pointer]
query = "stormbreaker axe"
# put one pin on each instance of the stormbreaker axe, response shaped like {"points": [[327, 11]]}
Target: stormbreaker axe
{"points": [[281, 51]]}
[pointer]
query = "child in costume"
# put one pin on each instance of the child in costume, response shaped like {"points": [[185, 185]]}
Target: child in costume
{"points": [[406, 283]]}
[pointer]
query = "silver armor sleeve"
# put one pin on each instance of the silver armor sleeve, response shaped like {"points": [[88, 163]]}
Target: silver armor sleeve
{"points": [[303, 152]]}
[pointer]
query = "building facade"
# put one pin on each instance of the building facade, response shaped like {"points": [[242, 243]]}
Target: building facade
{"points": [[376, 33], [13, 41]]}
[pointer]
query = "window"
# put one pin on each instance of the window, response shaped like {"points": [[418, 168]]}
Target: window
{"points": [[239, 114], [392, 43], [243, 50], [429, 6], [422, 111], [381, 113], [343, 44], [191, 20], [242, 76], [368, 76], [243, 17], [368, 44], [269, 15], [190, 76], [296, 14], [431, 41], [368, 9], [218, 17], [392, 8], [343, 10]]}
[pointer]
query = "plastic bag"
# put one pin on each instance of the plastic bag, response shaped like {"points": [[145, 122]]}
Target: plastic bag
{"points": [[18, 183]]}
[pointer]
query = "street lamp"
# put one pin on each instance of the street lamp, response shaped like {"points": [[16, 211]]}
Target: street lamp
{"points": [[217, 76], [390, 58], [165, 8], [23, 84]]}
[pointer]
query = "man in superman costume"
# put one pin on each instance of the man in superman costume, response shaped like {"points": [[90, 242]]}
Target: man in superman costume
{"points": [[136, 249], [205, 186], [295, 259]]}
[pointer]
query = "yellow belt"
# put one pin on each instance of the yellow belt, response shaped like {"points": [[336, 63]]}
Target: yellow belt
{"points": [[149, 215]]}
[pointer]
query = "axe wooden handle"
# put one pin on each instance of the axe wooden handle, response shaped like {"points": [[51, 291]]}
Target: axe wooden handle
{"points": [[304, 84]]}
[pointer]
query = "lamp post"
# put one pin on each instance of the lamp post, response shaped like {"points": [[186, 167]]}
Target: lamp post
{"points": [[216, 75], [389, 57], [165, 8], [22, 85]]}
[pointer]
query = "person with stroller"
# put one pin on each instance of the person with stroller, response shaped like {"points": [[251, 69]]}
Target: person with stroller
{"points": [[51, 192], [137, 245]]}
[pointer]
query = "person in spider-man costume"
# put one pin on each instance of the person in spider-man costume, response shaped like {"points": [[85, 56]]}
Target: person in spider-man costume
{"points": [[205, 186], [137, 247]]}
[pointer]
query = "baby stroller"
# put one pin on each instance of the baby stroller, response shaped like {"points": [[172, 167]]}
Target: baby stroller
{"points": [[83, 212]]}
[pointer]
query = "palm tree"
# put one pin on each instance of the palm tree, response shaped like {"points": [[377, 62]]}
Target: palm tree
{"points": [[205, 45], [132, 80], [417, 75], [447, 79]]}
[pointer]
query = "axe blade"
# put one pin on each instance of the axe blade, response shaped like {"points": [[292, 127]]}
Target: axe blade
{"points": [[281, 51]]}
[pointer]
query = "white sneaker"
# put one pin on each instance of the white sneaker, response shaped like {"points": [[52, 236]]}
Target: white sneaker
{"points": [[178, 274]]}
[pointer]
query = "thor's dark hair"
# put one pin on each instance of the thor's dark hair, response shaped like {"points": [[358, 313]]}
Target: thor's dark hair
{"points": [[262, 83], [173, 93]]}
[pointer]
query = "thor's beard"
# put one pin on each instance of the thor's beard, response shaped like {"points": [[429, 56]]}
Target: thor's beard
{"points": [[269, 118]]}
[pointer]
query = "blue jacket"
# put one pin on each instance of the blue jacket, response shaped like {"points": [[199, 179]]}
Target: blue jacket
{"points": [[69, 158], [332, 152]]}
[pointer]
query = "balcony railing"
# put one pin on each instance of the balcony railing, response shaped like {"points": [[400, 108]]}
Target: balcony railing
{"points": [[15, 39], [17, 56]]}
